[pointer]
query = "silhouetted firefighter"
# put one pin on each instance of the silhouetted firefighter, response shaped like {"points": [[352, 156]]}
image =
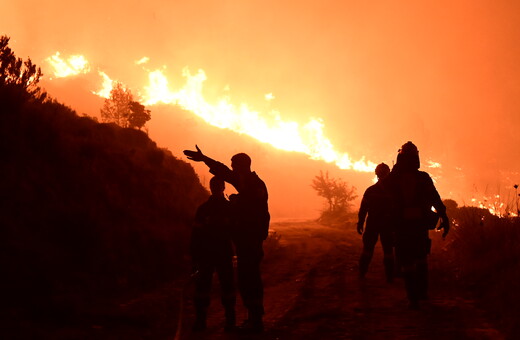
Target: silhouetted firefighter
{"points": [[250, 228], [376, 203], [211, 251], [413, 195]]}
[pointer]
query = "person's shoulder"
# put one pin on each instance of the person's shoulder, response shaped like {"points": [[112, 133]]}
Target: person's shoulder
{"points": [[203, 208], [424, 178], [256, 178], [423, 174], [205, 203], [253, 174], [372, 188], [217, 200]]}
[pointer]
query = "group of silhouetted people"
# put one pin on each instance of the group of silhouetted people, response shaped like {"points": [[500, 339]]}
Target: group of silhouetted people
{"points": [[399, 209], [240, 223]]}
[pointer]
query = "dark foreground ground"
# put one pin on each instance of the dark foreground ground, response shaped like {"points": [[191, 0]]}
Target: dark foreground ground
{"points": [[312, 292]]}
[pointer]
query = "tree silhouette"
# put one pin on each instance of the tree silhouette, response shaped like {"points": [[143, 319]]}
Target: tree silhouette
{"points": [[337, 193], [121, 108], [18, 73], [116, 108], [139, 115]]}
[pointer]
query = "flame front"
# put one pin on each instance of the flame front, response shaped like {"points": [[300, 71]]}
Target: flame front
{"points": [[267, 127], [73, 65], [106, 87]]}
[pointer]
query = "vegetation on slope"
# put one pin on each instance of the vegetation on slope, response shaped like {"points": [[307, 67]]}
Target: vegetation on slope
{"points": [[87, 209]]}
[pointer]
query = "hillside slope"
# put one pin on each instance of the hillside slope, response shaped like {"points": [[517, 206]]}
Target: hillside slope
{"points": [[87, 208]]}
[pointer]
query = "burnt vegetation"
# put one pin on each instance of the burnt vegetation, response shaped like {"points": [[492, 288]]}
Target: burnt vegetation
{"points": [[88, 210]]}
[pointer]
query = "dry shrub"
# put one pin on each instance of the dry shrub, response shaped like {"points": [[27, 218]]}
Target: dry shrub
{"points": [[272, 246], [485, 252]]}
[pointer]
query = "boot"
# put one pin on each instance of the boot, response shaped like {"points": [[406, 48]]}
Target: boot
{"points": [[414, 305], [389, 269], [422, 280], [253, 324], [364, 261], [200, 320], [410, 282], [230, 324]]}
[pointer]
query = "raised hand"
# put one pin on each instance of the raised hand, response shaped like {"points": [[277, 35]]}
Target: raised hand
{"points": [[196, 156]]}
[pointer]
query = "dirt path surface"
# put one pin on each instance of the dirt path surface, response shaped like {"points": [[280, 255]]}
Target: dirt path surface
{"points": [[312, 291]]}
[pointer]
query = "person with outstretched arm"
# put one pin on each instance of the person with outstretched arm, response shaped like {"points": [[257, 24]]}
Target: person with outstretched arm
{"points": [[250, 225]]}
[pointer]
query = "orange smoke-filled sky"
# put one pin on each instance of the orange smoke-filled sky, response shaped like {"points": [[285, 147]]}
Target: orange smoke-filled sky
{"points": [[444, 74]]}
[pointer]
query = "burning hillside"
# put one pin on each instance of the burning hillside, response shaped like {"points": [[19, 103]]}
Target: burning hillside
{"points": [[267, 126]]}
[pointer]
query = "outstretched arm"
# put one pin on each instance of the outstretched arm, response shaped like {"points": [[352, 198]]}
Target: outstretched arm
{"points": [[215, 167], [196, 156]]}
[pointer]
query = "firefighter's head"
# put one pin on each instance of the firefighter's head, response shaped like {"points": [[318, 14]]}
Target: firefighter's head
{"points": [[408, 157], [241, 163], [382, 170], [217, 186]]}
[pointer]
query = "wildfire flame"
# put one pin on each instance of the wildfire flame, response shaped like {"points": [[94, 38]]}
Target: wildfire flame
{"points": [[73, 65], [106, 86], [267, 127]]}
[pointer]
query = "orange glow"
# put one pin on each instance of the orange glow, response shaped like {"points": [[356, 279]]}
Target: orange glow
{"points": [[442, 74], [73, 65], [267, 127]]}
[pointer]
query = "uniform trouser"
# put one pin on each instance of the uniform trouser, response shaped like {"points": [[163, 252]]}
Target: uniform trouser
{"points": [[224, 268], [412, 249], [370, 237], [249, 256]]}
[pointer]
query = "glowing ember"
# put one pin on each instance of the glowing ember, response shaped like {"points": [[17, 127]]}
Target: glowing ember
{"points": [[496, 205], [432, 164], [143, 60], [73, 65]]}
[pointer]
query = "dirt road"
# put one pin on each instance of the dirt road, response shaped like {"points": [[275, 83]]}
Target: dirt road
{"points": [[312, 291]]}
